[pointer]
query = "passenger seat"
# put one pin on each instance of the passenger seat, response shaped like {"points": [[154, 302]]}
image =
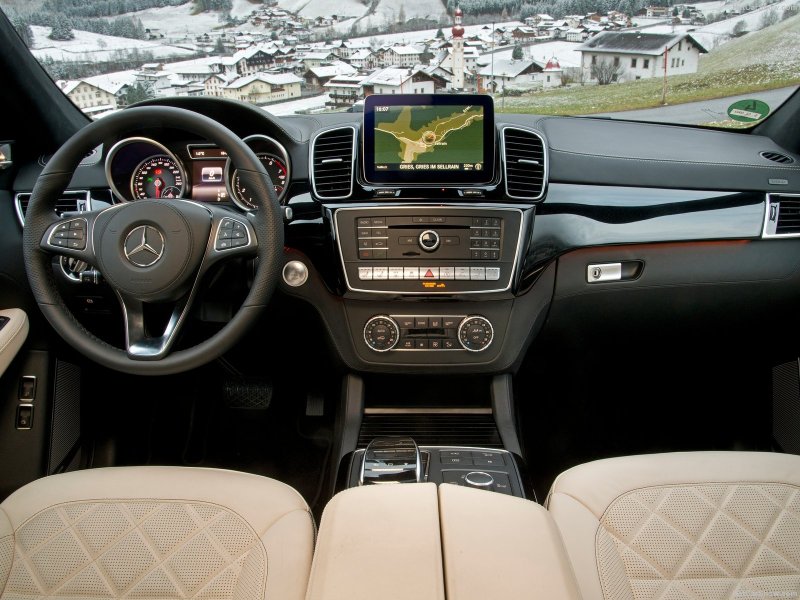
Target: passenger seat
{"points": [[676, 526]]}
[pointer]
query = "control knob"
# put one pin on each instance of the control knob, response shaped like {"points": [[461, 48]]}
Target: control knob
{"points": [[479, 479], [475, 333], [381, 333], [429, 240]]}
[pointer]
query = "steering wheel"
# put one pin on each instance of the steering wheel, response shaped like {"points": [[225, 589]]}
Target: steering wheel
{"points": [[152, 251]]}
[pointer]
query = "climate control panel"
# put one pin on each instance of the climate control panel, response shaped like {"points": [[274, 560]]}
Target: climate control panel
{"points": [[473, 333]]}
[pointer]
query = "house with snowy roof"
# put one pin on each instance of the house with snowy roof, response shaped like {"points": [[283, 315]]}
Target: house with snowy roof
{"points": [[638, 55]]}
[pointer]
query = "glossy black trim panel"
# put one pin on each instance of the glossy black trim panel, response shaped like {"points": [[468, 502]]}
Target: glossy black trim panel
{"points": [[577, 216]]}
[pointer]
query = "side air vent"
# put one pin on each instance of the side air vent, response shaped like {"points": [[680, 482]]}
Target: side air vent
{"points": [[783, 215], [333, 159], [525, 162], [777, 157], [71, 201]]}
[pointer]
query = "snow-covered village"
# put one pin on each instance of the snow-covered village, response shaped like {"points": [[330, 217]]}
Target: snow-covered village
{"points": [[328, 55]]}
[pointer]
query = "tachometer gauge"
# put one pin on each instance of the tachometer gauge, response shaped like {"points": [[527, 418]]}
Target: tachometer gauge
{"points": [[158, 177], [277, 171]]}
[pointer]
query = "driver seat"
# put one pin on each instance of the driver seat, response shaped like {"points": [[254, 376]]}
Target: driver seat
{"points": [[155, 533]]}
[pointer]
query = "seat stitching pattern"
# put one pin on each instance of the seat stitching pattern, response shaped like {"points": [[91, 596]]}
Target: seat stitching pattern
{"points": [[705, 541], [133, 549]]}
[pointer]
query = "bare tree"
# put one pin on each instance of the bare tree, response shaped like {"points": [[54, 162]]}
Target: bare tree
{"points": [[606, 72]]}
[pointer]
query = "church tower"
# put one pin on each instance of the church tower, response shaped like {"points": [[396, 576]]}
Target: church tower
{"points": [[458, 52]]}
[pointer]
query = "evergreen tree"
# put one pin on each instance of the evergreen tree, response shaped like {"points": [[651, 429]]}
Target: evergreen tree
{"points": [[23, 28], [219, 46], [516, 54], [440, 34], [61, 29]]}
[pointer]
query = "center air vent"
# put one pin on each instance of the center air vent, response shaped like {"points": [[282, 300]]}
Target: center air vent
{"points": [[333, 157], [524, 158], [69, 202], [783, 215], [777, 157]]}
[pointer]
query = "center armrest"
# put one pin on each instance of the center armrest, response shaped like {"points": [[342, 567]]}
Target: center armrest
{"points": [[498, 546], [379, 541]]}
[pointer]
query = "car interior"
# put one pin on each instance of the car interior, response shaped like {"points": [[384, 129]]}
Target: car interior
{"points": [[246, 356]]}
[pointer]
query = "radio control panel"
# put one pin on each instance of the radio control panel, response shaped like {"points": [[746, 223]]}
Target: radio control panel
{"points": [[428, 250]]}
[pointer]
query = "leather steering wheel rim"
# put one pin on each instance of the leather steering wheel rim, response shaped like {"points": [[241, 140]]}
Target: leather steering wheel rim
{"points": [[267, 225]]}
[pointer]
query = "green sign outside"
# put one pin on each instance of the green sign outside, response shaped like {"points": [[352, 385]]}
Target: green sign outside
{"points": [[748, 111]]}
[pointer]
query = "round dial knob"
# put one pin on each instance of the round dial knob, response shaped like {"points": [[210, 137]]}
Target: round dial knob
{"points": [[475, 333], [381, 333], [479, 479], [429, 240]]}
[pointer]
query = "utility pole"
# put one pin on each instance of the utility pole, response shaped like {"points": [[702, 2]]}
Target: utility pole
{"points": [[492, 36], [664, 87]]}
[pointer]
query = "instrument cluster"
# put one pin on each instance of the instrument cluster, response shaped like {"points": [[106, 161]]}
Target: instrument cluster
{"points": [[140, 167]]}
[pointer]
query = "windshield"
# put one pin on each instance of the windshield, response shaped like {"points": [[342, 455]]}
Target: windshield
{"points": [[723, 63]]}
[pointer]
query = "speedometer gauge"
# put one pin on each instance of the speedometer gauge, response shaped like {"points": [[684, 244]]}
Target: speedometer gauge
{"points": [[158, 177], [277, 171]]}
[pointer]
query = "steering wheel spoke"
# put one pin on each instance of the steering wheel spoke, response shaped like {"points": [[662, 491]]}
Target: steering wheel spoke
{"points": [[71, 235], [140, 341]]}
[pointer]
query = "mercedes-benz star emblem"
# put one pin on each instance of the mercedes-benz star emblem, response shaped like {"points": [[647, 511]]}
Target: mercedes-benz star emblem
{"points": [[144, 246]]}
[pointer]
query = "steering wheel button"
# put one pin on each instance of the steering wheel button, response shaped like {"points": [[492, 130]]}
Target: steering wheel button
{"points": [[62, 227], [226, 224], [237, 234], [224, 234], [77, 224], [223, 244], [238, 242], [76, 244], [238, 226], [76, 234]]}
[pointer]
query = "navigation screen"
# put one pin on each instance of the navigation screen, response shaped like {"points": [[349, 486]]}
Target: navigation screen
{"points": [[444, 139]]}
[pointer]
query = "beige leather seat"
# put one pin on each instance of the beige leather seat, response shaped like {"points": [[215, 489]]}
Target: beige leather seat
{"points": [[703, 525], [155, 532]]}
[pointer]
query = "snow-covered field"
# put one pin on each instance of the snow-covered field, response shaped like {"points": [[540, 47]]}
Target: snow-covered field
{"points": [[413, 37], [96, 47], [325, 8], [716, 34], [565, 52]]}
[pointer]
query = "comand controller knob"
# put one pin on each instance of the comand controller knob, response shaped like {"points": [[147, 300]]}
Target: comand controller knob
{"points": [[429, 240], [381, 333], [479, 479], [475, 333]]}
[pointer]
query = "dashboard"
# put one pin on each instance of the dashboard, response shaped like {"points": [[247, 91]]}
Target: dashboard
{"points": [[429, 252]]}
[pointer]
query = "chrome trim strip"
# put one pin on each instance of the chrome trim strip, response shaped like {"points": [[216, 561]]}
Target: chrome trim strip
{"points": [[352, 161], [427, 411], [460, 207], [545, 154], [771, 222]]}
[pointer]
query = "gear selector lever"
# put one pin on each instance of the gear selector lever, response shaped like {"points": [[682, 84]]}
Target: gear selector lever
{"points": [[391, 460]]}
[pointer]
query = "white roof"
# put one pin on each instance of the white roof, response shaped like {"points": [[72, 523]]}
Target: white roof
{"points": [[506, 67], [388, 76], [336, 68], [362, 54], [110, 82], [405, 50], [270, 78], [315, 56]]}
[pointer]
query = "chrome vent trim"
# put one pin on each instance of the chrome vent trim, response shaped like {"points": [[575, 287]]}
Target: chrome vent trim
{"points": [[333, 158], [525, 163], [70, 201], [782, 216], [777, 157]]}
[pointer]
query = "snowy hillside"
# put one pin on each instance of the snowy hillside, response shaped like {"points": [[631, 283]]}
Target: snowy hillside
{"points": [[96, 47]]}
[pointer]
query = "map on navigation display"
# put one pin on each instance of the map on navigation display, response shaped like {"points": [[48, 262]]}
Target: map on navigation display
{"points": [[429, 137]]}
